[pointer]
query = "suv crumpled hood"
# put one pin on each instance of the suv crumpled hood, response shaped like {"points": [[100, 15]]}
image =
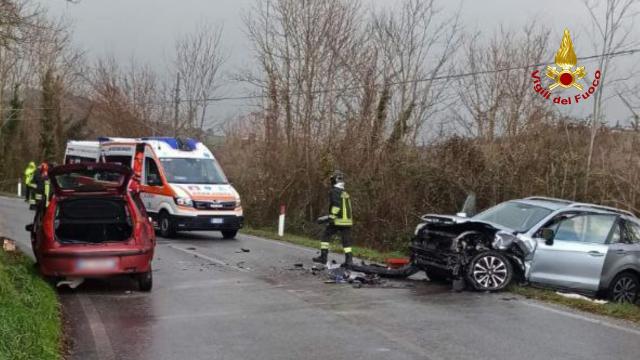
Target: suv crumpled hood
{"points": [[439, 219]]}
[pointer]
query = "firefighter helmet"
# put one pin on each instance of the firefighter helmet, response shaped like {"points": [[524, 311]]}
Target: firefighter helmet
{"points": [[44, 168], [337, 177]]}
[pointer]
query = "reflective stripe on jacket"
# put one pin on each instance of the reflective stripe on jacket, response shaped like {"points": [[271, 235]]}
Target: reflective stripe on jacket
{"points": [[28, 173], [340, 211]]}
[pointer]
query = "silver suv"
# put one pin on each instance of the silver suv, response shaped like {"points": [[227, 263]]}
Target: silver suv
{"points": [[580, 247]]}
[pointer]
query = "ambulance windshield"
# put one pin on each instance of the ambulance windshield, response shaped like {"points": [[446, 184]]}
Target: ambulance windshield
{"points": [[193, 171]]}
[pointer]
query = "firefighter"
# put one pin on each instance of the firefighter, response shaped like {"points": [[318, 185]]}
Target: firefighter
{"points": [[43, 186], [339, 221], [28, 179]]}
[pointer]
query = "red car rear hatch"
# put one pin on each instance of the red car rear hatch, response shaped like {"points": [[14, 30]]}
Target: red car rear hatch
{"points": [[90, 179]]}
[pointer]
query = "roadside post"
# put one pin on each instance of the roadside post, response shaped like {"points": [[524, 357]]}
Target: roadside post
{"points": [[281, 221], [19, 187]]}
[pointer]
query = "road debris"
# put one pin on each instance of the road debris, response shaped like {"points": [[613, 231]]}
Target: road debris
{"points": [[8, 245], [241, 265], [383, 271], [245, 250], [71, 282], [581, 297], [396, 263]]}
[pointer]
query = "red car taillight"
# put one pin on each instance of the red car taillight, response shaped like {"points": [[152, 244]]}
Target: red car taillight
{"points": [[48, 220]]}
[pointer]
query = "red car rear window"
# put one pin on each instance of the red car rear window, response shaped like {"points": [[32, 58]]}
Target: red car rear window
{"points": [[90, 180]]}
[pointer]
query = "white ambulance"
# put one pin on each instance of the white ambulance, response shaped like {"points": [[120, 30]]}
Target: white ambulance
{"points": [[81, 151], [182, 187]]}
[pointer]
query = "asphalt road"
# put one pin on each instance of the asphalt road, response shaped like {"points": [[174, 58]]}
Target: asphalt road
{"points": [[213, 301]]}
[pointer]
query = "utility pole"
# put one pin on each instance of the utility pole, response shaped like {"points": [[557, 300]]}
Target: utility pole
{"points": [[176, 109]]}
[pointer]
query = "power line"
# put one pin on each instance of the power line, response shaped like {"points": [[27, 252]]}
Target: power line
{"points": [[435, 78], [393, 83]]}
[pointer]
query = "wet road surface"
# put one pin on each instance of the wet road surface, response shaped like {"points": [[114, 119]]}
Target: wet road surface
{"points": [[213, 301]]}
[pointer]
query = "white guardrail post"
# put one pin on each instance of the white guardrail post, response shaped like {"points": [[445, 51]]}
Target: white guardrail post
{"points": [[281, 221], [19, 187]]}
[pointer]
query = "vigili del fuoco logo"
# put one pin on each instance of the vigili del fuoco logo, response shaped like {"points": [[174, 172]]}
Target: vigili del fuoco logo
{"points": [[565, 75]]}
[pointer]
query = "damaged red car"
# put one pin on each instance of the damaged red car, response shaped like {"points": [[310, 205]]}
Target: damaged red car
{"points": [[94, 226]]}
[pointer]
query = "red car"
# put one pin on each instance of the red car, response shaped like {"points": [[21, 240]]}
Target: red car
{"points": [[95, 226]]}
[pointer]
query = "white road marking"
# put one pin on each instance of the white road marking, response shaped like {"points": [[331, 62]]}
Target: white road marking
{"points": [[583, 317], [208, 258], [103, 347], [104, 350], [290, 246]]}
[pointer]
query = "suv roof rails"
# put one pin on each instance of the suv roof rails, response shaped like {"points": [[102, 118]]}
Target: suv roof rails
{"points": [[545, 198], [602, 207]]}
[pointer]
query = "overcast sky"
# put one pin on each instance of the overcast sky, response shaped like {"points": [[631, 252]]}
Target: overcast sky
{"points": [[146, 29]]}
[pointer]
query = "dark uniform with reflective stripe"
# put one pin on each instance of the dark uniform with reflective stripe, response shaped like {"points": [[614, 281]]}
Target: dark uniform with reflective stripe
{"points": [[42, 191], [341, 219]]}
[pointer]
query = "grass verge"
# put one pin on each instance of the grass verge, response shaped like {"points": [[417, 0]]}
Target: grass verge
{"points": [[628, 312], [30, 323], [359, 252], [619, 311]]}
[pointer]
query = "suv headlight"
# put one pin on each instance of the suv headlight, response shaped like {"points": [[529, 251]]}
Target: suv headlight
{"points": [[183, 201]]}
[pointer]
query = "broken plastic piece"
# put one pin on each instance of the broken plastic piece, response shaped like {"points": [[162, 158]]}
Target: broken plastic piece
{"points": [[458, 285], [383, 271], [8, 245], [395, 263], [71, 282]]}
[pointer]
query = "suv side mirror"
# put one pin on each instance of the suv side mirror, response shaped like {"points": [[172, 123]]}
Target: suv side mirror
{"points": [[29, 227], [548, 235]]}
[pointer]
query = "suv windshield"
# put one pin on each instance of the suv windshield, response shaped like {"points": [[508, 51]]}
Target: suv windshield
{"points": [[514, 215], [193, 171]]}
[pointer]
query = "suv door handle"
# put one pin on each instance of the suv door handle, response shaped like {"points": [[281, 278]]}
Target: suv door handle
{"points": [[621, 252], [595, 253]]}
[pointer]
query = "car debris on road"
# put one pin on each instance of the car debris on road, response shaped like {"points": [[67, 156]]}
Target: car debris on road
{"points": [[8, 245]]}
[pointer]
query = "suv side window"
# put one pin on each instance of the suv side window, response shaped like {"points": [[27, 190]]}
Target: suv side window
{"points": [[632, 233], [151, 171], [616, 233], [589, 228]]}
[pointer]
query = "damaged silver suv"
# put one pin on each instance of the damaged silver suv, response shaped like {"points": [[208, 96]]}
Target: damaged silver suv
{"points": [[585, 248]]}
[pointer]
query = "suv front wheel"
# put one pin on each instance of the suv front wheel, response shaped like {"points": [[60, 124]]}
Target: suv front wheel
{"points": [[489, 271]]}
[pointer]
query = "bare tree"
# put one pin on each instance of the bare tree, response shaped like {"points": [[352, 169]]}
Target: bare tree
{"points": [[130, 100], [199, 58], [415, 45], [614, 31], [496, 98]]}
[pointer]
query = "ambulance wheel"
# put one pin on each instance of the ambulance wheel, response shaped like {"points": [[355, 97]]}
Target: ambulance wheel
{"points": [[229, 234], [167, 226], [145, 281]]}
